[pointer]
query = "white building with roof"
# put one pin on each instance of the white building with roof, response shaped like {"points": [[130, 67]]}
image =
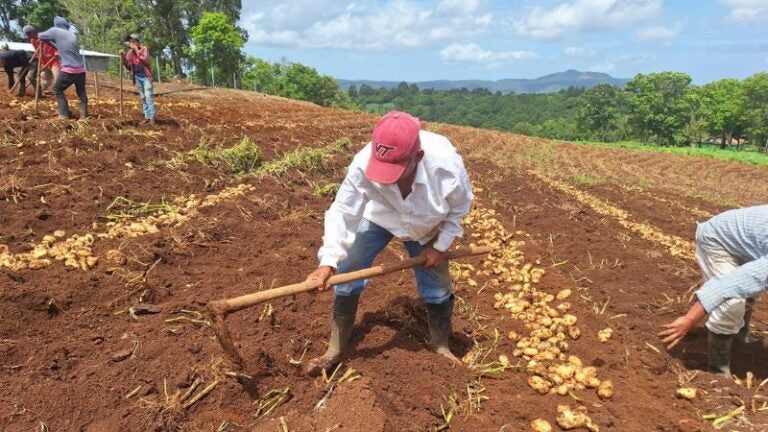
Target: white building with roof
{"points": [[94, 61]]}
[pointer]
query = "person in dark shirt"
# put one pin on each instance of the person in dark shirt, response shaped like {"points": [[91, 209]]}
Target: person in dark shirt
{"points": [[13, 59]]}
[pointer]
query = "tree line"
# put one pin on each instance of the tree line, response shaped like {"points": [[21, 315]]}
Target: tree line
{"points": [[199, 40], [196, 40], [167, 26], [662, 108]]}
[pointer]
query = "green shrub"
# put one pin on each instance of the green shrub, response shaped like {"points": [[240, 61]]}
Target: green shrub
{"points": [[304, 158], [325, 189], [243, 158]]}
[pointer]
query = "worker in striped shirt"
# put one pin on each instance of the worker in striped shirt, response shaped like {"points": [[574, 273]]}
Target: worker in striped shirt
{"points": [[406, 183], [732, 252]]}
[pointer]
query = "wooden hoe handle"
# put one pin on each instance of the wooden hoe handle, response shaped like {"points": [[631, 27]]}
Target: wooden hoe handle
{"points": [[225, 307]]}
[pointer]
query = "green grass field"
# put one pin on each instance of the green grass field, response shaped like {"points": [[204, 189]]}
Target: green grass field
{"points": [[745, 156]]}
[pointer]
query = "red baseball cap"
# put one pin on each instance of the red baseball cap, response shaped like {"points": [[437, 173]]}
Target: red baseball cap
{"points": [[395, 141]]}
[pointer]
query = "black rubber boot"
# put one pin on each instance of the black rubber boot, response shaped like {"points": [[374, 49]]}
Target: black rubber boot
{"points": [[344, 311], [439, 319], [64, 113], [744, 336], [83, 110], [719, 353]]}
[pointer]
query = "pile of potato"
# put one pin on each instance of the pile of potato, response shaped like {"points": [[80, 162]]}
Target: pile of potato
{"points": [[75, 251], [676, 246], [550, 327], [225, 195], [147, 225], [569, 418]]}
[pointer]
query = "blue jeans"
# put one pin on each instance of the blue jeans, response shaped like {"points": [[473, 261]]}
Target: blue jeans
{"points": [[434, 283], [144, 87]]}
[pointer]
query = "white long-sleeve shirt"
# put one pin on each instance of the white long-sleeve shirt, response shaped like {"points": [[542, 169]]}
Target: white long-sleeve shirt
{"points": [[441, 196]]}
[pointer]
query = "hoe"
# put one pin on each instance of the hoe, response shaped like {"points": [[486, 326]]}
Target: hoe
{"points": [[219, 309]]}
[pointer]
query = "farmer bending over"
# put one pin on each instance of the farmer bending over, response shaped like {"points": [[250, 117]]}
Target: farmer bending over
{"points": [[732, 252], [12, 59], [406, 183], [49, 59], [136, 60], [72, 66]]}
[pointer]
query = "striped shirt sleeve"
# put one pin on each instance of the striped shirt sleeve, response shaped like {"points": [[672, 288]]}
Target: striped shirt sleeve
{"points": [[748, 280]]}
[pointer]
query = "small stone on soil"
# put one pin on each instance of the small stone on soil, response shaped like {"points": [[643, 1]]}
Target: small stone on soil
{"points": [[121, 355]]}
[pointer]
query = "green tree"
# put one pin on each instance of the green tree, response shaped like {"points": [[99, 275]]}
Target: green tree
{"points": [[166, 25], [525, 128], [103, 24], [197, 8], [262, 76], [658, 105], [215, 45], [294, 80], [695, 128], [305, 83], [41, 13], [10, 11], [600, 111], [163, 27], [722, 108], [366, 90], [756, 108]]}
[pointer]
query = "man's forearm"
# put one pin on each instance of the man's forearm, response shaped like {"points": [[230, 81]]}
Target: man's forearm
{"points": [[696, 313]]}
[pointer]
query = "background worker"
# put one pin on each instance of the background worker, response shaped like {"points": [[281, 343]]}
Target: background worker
{"points": [[732, 252], [136, 60], [49, 59], [406, 183], [12, 59], [72, 66]]}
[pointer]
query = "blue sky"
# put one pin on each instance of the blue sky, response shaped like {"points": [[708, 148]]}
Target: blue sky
{"points": [[418, 40]]}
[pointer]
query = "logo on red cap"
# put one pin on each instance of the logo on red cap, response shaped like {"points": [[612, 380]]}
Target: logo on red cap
{"points": [[394, 142], [382, 150]]}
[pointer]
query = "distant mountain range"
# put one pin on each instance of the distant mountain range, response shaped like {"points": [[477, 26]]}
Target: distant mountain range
{"points": [[546, 84]]}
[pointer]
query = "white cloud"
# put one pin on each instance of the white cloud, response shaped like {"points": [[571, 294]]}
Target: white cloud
{"points": [[473, 53], [748, 11], [604, 67], [658, 33], [573, 51], [584, 16], [459, 7], [365, 25], [637, 58], [610, 64]]}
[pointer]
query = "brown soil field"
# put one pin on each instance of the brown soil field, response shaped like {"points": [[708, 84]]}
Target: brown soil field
{"points": [[115, 337]]}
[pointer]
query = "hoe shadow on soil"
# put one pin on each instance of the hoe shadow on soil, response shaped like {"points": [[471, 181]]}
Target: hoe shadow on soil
{"points": [[409, 319], [744, 357], [133, 124]]}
